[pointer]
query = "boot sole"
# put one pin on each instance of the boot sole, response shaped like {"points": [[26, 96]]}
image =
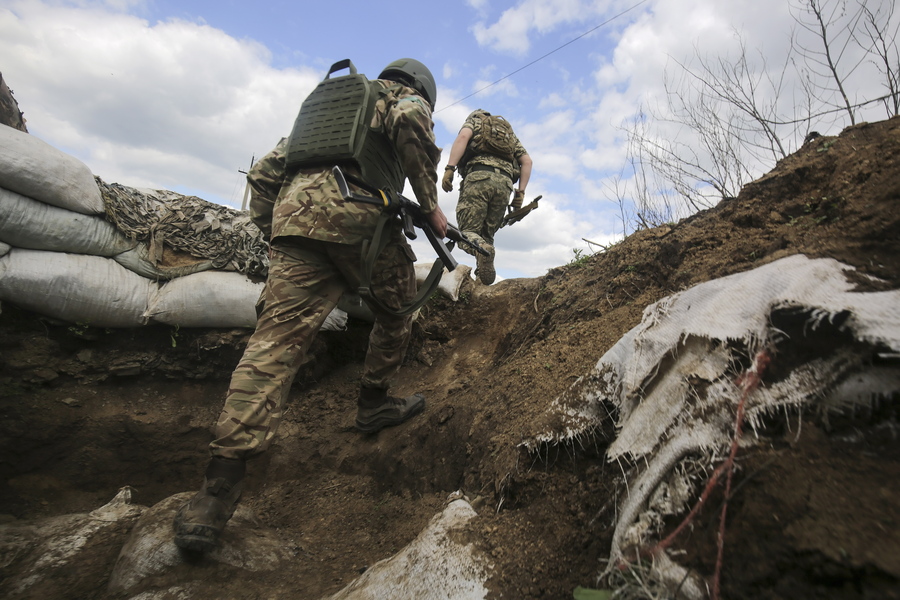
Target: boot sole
{"points": [[381, 422], [196, 538]]}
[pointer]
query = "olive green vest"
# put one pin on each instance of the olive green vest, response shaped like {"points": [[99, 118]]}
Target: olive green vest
{"points": [[332, 128]]}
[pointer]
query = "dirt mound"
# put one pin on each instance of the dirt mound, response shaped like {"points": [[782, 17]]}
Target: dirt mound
{"points": [[85, 412]]}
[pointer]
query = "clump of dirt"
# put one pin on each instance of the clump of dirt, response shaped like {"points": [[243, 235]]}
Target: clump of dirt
{"points": [[84, 412]]}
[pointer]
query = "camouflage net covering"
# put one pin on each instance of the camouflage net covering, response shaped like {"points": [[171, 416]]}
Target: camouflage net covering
{"points": [[189, 224]]}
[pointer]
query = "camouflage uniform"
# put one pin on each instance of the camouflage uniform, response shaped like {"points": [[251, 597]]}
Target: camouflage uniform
{"points": [[316, 239], [484, 195]]}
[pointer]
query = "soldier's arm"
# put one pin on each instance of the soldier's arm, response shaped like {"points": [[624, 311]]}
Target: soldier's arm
{"points": [[265, 179], [525, 164], [408, 124], [459, 146]]}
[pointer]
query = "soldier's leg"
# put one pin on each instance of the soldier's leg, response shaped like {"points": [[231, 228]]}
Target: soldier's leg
{"points": [[394, 284], [300, 292], [302, 288], [496, 207], [475, 194]]}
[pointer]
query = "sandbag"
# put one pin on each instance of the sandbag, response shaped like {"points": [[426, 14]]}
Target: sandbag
{"points": [[437, 565], [27, 223], [4, 249], [207, 299], [149, 553], [33, 168], [452, 284], [138, 260], [674, 381], [74, 287], [48, 558], [216, 299]]}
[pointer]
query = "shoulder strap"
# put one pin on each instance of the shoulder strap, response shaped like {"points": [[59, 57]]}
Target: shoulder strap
{"points": [[371, 249]]}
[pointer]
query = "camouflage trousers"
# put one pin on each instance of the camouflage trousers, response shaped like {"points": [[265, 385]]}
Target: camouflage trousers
{"points": [[483, 198], [305, 282]]}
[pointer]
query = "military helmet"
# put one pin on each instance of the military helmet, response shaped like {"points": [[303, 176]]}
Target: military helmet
{"points": [[412, 71]]}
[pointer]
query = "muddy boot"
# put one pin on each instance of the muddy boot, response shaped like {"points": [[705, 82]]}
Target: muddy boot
{"points": [[484, 266], [199, 523], [376, 410]]}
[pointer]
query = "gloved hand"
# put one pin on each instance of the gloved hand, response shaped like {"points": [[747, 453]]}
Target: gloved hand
{"points": [[447, 181], [518, 199]]}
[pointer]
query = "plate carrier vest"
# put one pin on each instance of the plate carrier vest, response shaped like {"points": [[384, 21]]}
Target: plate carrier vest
{"points": [[332, 128]]}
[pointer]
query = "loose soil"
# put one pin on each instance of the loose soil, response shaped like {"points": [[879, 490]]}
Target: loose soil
{"points": [[84, 412]]}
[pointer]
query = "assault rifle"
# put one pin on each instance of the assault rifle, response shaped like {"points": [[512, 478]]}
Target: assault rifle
{"points": [[410, 214], [515, 216]]}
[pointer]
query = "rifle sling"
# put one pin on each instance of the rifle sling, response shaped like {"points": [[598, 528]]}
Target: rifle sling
{"points": [[371, 250]]}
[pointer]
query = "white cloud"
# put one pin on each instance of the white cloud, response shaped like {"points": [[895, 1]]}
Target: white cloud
{"points": [[167, 105], [510, 33]]}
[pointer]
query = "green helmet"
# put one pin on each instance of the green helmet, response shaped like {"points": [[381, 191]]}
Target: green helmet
{"points": [[409, 70]]}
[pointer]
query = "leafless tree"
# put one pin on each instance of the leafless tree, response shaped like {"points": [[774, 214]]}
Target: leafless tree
{"points": [[878, 39], [718, 122], [725, 120]]}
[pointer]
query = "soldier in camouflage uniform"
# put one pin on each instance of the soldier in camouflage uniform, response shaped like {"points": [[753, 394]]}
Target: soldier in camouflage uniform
{"points": [[316, 246], [487, 183]]}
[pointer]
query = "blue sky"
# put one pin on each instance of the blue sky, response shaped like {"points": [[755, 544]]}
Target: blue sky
{"points": [[180, 95]]}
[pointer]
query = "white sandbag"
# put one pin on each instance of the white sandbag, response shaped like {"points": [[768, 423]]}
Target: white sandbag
{"points": [[437, 565], [207, 299], [33, 168], [74, 287], [452, 282], [673, 380], [49, 556], [4, 248], [150, 552], [138, 260], [216, 299], [27, 223]]}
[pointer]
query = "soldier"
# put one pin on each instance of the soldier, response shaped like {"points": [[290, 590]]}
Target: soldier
{"points": [[490, 159], [316, 244]]}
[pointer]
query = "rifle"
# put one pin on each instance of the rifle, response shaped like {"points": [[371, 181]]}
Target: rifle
{"points": [[517, 215], [410, 214]]}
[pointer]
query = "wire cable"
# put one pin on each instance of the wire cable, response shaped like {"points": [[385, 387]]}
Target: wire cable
{"points": [[540, 58]]}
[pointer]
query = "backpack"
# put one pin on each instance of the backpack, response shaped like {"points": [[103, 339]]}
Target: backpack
{"points": [[495, 137], [333, 128]]}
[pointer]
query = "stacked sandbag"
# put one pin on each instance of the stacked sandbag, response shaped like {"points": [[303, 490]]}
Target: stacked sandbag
{"points": [[78, 249], [61, 254]]}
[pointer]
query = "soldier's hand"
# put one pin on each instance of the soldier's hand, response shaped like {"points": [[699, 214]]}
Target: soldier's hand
{"points": [[438, 222], [447, 181], [518, 199]]}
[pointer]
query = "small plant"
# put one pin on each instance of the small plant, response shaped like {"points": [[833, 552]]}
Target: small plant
{"points": [[79, 329], [582, 593], [173, 335], [580, 258]]}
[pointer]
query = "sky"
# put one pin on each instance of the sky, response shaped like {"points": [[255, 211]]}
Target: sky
{"points": [[183, 95]]}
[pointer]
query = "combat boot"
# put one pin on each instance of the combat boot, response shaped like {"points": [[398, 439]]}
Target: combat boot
{"points": [[377, 410], [199, 523], [484, 266]]}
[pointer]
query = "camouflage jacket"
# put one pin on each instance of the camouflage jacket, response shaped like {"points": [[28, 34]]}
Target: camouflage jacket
{"points": [[307, 203], [473, 122]]}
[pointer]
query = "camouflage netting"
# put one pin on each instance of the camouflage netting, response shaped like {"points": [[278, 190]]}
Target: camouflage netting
{"points": [[9, 109], [188, 224]]}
